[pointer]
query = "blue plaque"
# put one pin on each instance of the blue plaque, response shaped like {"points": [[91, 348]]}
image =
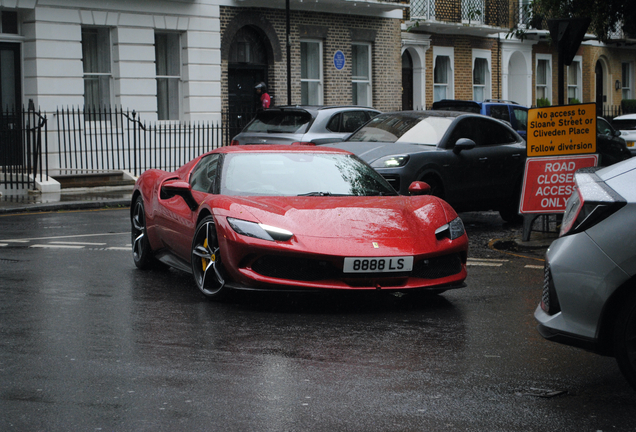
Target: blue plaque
{"points": [[339, 60]]}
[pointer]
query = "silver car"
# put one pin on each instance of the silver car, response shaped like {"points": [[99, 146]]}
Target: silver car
{"points": [[304, 125], [589, 288]]}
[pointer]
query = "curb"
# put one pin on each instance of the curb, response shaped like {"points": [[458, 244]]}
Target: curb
{"points": [[70, 205]]}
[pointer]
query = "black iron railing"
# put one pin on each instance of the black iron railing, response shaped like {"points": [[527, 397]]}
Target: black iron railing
{"points": [[23, 148], [115, 139]]}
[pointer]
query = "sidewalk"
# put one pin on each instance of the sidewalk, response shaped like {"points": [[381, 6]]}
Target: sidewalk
{"points": [[69, 199]]}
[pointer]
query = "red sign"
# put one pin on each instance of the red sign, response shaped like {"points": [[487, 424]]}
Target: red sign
{"points": [[549, 181]]}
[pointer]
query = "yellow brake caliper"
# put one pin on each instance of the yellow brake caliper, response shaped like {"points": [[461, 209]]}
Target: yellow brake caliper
{"points": [[204, 261]]}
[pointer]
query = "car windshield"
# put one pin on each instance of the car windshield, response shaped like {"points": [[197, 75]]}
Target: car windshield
{"points": [[427, 130], [302, 174], [626, 124], [277, 121]]}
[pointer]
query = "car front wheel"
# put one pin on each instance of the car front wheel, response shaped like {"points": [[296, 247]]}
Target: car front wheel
{"points": [[142, 253], [207, 266], [625, 340]]}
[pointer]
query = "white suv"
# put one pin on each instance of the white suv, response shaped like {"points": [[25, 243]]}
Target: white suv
{"points": [[627, 125]]}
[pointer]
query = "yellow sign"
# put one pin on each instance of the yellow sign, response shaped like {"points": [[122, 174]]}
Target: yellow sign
{"points": [[562, 130]]}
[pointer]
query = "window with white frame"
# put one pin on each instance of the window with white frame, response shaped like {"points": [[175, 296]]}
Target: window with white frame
{"points": [[168, 72], [544, 77], [311, 72], [442, 73], [361, 74], [628, 86], [481, 75], [574, 80], [97, 67]]}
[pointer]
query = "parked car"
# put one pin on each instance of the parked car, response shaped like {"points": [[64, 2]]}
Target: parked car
{"points": [[472, 161], [303, 124], [589, 290], [294, 218], [609, 144], [511, 112], [626, 124]]}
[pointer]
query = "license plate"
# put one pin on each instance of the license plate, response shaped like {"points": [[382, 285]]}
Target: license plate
{"points": [[630, 143], [378, 265]]}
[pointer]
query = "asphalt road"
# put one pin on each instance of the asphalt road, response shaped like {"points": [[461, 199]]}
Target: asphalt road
{"points": [[88, 342]]}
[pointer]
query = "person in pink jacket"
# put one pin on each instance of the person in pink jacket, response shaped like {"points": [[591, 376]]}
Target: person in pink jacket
{"points": [[261, 89]]}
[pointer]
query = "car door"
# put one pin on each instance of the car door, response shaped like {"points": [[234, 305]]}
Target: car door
{"points": [[503, 154], [466, 170], [176, 221]]}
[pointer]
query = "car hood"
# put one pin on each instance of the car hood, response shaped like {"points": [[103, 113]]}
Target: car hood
{"points": [[370, 151], [408, 219]]}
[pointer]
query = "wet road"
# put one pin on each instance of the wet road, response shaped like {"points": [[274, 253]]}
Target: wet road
{"points": [[91, 343]]}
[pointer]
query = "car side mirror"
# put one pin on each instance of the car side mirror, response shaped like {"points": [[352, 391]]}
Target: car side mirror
{"points": [[180, 188], [616, 133], [419, 188], [463, 144]]}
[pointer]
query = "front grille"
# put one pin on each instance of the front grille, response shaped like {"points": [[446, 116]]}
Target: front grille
{"points": [[292, 268], [394, 180], [437, 267], [549, 299], [302, 269]]}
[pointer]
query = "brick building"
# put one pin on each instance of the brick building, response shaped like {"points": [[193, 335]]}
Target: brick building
{"points": [[462, 49]]}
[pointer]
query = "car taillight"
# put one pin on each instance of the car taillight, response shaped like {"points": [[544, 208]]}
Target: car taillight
{"points": [[304, 143], [234, 142], [591, 202]]}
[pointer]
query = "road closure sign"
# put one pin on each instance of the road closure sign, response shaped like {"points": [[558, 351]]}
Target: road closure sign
{"points": [[549, 181], [562, 130]]}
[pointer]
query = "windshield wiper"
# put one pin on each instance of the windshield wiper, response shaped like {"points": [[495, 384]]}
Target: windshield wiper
{"points": [[316, 194]]}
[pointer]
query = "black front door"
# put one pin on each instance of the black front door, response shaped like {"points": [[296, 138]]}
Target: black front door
{"points": [[247, 66], [407, 81], [599, 88], [10, 105], [243, 100]]}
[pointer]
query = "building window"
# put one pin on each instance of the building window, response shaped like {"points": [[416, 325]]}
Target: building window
{"points": [[8, 22], [544, 79], [574, 82], [168, 69], [628, 90], [311, 72], [481, 75], [361, 74], [97, 70]]}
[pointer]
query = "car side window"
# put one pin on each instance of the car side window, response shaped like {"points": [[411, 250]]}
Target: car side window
{"points": [[334, 123], [203, 176], [603, 127], [500, 112], [494, 133], [352, 120], [465, 128], [522, 118]]}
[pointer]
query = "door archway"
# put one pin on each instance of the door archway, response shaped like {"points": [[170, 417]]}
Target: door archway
{"points": [[407, 81]]}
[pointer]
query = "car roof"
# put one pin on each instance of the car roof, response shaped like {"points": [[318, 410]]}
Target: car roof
{"points": [[314, 109], [274, 148], [433, 113]]}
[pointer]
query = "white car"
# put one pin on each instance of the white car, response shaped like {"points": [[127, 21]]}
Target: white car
{"points": [[626, 124], [589, 288]]}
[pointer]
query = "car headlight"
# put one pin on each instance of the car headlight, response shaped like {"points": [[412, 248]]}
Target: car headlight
{"points": [[393, 161], [452, 230], [259, 230]]}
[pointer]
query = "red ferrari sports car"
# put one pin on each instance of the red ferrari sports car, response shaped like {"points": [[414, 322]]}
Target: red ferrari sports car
{"points": [[294, 218]]}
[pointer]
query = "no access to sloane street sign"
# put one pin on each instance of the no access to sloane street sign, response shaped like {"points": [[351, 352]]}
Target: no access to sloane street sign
{"points": [[549, 181], [562, 130]]}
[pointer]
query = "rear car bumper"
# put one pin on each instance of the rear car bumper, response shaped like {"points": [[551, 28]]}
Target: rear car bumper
{"points": [[579, 278]]}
